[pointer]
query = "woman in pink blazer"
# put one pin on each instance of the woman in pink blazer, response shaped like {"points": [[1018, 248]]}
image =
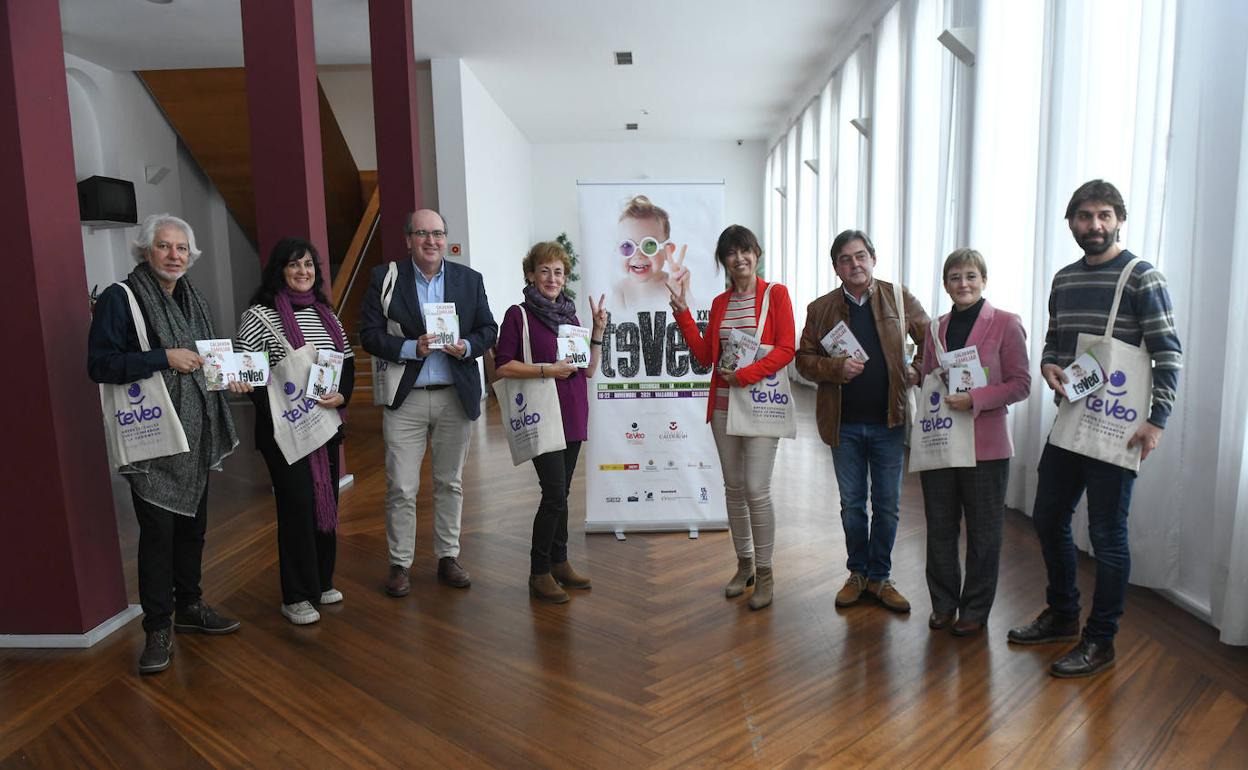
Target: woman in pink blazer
{"points": [[978, 493]]}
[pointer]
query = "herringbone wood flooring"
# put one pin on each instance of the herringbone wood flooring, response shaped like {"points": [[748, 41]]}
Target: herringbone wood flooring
{"points": [[651, 668]]}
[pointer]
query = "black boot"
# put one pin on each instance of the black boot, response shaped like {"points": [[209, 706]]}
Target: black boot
{"points": [[1088, 658], [1049, 627], [157, 651]]}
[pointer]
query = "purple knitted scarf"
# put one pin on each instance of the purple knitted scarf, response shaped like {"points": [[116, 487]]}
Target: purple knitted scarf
{"points": [[322, 484]]}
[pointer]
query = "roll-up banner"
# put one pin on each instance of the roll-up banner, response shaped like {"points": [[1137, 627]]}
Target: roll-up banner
{"points": [[651, 463]]}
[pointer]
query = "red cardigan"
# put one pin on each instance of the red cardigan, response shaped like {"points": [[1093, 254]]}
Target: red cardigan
{"points": [[778, 332]]}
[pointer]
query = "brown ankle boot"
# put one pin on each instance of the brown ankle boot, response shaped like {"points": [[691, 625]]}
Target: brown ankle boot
{"points": [[568, 577], [762, 589], [544, 588], [741, 580]]}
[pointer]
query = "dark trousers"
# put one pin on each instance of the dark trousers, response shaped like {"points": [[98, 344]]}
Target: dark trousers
{"points": [[171, 549], [305, 556], [949, 494], [1064, 476], [550, 525]]}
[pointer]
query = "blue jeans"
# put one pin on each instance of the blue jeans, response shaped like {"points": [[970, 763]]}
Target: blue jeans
{"points": [[874, 450], [1064, 476]]}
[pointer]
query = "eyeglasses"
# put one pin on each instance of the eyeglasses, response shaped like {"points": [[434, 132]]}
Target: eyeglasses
{"points": [[648, 246], [420, 235]]}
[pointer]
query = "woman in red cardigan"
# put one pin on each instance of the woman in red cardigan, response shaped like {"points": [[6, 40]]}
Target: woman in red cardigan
{"points": [[746, 460]]}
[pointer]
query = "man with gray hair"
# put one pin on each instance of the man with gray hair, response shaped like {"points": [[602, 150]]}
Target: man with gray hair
{"points": [[170, 493]]}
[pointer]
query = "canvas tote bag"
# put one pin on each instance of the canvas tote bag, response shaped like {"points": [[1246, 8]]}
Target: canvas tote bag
{"points": [[911, 406], [766, 408], [300, 425], [529, 409], [1100, 425], [940, 437], [386, 374], [140, 422]]}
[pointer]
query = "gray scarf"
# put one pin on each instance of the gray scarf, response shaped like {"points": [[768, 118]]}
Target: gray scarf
{"points": [[177, 482]]}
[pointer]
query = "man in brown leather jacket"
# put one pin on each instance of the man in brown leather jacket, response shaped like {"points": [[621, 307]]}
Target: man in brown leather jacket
{"points": [[861, 407]]}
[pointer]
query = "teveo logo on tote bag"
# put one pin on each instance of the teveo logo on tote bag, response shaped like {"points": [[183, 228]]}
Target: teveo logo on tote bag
{"points": [[386, 374], [531, 417], [1100, 425], [765, 408], [940, 437], [300, 424], [139, 419]]}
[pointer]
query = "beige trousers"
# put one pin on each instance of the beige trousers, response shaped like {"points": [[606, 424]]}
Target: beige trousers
{"points": [[433, 418], [747, 463]]}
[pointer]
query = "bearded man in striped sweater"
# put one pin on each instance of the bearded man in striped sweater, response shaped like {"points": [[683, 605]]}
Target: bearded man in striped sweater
{"points": [[1081, 301]]}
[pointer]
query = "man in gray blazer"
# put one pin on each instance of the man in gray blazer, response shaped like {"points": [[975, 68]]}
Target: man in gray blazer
{"points": [[439, 394]]}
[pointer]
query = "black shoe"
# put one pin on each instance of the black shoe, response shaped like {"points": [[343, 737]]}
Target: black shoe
{"points": [[1085, 660], [1049, 627], [157, 651], [940, 620], [199, 618]]}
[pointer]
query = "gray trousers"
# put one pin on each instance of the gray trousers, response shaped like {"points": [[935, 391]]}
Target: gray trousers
{"points": [[747, 463], [977, 493], [433, 418]]}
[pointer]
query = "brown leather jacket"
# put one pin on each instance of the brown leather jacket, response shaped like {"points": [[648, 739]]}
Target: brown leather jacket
{"points": [[814, 363]]}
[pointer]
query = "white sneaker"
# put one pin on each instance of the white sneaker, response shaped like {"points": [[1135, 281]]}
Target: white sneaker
{"points": [[301, 613], [332, 596]]}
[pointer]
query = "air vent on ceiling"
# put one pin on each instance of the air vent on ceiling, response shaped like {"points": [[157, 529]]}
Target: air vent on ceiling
{"points": [[623, 57], [630, 126]]}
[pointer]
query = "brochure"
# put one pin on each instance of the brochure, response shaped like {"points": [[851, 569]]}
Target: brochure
{"points": [[1083, 377], [573, 343], [251, 368], [320, 381], [215, 353], [740, 350], [332, 360], [842, 342], [964, 379], [442, 323]]}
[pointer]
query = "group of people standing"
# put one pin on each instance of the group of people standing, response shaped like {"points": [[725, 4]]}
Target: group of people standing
{"points": [[432, 393]]}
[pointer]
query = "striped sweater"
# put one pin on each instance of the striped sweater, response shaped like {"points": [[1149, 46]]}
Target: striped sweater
{"points": [[1080, 302]]}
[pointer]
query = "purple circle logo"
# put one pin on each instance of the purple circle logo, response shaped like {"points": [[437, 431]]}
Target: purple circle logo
{"points": [[520, 400], [935, 399], [134, 391], [289, 388], [1118, 379], [772, 381]]}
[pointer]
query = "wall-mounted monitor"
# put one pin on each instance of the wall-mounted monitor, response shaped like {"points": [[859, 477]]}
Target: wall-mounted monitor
{"points": [[104, 202]]}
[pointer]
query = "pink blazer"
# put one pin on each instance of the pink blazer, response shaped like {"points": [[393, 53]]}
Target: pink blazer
{"points": [[1002, 345]]}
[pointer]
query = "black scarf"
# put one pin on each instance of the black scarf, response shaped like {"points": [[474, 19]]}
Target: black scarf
{"points": [[551, 313]]}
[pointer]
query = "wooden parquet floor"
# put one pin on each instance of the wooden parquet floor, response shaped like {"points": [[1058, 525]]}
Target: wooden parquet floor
{"points": [[651, 668]]}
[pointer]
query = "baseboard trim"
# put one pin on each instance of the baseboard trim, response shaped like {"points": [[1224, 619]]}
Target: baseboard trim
{"points": [[71, 641]]}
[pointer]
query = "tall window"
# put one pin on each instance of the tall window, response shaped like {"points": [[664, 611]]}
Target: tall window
{"points": [[828, 117], [804, 259], [885, 145]]}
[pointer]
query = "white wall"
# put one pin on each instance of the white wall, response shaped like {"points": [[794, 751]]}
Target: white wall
{"points": [[349, 89], [117, 132], [557, 167], [485, 174]]}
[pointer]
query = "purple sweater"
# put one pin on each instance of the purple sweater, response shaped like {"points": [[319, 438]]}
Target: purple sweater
{"points": [[573, 392]]}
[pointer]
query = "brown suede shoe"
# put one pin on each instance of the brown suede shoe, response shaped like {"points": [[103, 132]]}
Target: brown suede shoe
{"points": [[544, 588], [398, 584], [569, 578], [888, 595], [451, 573], [851, 592], [966, 627]]}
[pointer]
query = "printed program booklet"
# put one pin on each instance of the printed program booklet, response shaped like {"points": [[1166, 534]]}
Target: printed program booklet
{"points": [[740, 350], [1083, 377], [216, 354], [320, 381], [251, 368], [963, 371], [842, 342], [442, 323], [331, 359], [573, 343]]}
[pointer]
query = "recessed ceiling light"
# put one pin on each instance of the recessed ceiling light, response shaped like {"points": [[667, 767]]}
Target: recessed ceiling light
{"points": [[623, 58], [630, 126], [160, 2]]}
